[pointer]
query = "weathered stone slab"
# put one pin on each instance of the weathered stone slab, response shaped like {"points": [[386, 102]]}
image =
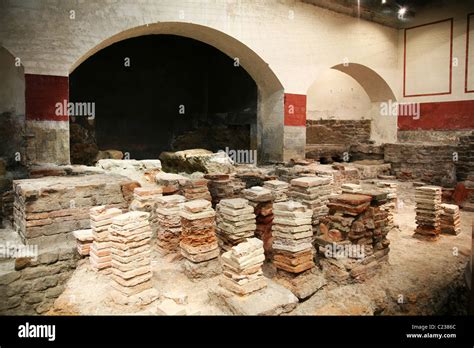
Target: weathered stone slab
{"points": [[274, 299]]}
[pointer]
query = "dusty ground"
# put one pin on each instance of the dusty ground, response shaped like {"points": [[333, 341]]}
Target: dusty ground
{"points": [[421, 278], [426, 276]]}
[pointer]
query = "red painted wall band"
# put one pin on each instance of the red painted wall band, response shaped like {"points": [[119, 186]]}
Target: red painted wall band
{"points": [[295, 110], [42, 93], [441, 116]]}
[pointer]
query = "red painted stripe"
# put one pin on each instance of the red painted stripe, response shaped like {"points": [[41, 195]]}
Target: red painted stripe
{"points": [[42, 93], [441, 116], [466, 88], [450, 60], [295, 110]]}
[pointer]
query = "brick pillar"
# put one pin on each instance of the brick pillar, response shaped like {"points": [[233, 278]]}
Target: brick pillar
{"points": [[47, 127], [295, 126]]}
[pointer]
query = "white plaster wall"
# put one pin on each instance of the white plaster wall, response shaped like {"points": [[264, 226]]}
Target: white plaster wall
{"points": [[470, 62], [12, 99], [337, 95], [428, 51], [298, 41], [457, 10]]}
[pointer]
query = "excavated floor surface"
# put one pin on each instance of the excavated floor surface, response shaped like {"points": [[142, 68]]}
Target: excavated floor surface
{"points": [[423, 278]]}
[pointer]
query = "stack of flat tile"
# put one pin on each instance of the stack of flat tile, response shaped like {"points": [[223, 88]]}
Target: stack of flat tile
{"points": [[293, 252], [168, 221], [84, 239], [289, 173], [428, 212], [450, 219], [278, 188], [392, 199], [292, 235], [242, 267], [352, 242], [261, 199], [130, 237], [350, 188], [199, 244], [100, 253], [235, 222], [313, 192], [220, 187], [170, 183], [196, 189], [145, 199]]}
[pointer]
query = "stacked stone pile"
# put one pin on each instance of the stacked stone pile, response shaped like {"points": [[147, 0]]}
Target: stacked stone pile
{"points": [[242, 267], [168, 220], [145, 199], [428, 212], [251, 177], [84, 239], [170, 183], [279, 189], [313, 192], [292, 234], [450, 219], [100, 221], [235, 222], [261, 201], [223, 186], [293, 252], [352, 243], [196, 189], [289, 173], [198, 239], [391, 205], [351, 188], [130, 236]]}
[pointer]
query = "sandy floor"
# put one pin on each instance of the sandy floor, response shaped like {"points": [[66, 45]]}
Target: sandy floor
{"points": [[422, 278]]}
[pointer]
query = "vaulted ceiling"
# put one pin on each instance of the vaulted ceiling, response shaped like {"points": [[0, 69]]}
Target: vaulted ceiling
{"points": [[382, 12]]}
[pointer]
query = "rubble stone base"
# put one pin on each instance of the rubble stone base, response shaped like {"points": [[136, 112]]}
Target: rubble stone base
{"points": [[302, 285], [200, 270], [271, 300]]}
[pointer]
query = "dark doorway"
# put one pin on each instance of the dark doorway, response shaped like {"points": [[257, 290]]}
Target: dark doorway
{"points": [[177, 93]]}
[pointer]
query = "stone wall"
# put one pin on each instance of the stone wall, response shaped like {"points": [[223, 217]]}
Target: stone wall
{"points": [[337, 131], [432, 164], [29, 286], [431, 136], [465, 164], [47, 210], [47, 141]]}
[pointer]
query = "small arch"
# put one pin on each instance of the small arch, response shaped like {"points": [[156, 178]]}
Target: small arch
{"points": [[371, 92], [374, 85]]}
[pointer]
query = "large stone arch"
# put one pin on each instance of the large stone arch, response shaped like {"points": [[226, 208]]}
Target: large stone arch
{"points": [[269, 132], [384, 127]]}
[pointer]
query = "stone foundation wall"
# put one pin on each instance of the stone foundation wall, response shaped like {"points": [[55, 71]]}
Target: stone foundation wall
{"points": [[29, 287], [432, 164], [465, 164], [337, 131], [431, 136], [47, 210], [47, 142]]}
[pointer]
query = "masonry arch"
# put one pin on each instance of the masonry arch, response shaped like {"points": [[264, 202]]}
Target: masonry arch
{"points": [[353, 92], [267, 133]]}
